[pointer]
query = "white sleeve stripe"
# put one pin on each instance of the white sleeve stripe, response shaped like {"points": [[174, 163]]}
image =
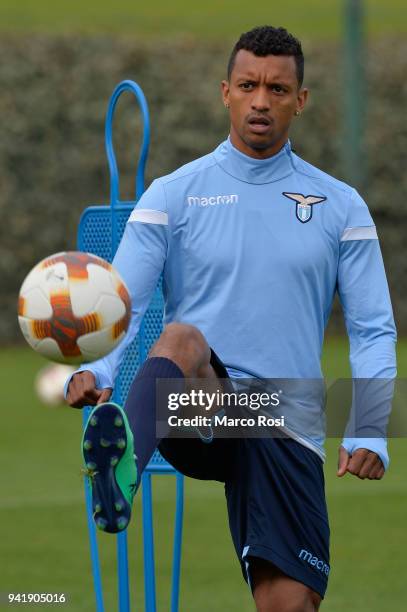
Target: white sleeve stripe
{"points": [[145, 215], [359, 233]]}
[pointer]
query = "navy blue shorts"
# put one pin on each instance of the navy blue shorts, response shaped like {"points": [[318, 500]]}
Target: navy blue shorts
{"points": [[275, 496]]}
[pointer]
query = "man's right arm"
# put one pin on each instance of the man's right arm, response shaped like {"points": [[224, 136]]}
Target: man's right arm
{"points": [[139, 260]]}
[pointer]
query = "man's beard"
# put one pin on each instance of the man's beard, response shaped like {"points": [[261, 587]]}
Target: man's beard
{"points": [[259, 146]]}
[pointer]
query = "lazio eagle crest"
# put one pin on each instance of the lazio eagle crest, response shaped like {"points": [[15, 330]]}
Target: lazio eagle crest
{"points": [[303, 210]]}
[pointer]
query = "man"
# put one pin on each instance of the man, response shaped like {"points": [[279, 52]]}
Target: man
{"points": [[252, 242]]}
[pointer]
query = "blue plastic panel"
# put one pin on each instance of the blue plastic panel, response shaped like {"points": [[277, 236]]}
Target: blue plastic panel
{"points": [[94, 236]]}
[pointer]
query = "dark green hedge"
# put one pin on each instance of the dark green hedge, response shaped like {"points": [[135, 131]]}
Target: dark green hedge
{"points": [[54, 94]]}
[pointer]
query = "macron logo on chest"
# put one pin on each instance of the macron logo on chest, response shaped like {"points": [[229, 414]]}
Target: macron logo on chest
{"points": [[212, 200]]}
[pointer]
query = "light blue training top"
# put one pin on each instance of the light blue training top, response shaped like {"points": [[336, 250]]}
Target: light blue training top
{"points": [[252, 252]]}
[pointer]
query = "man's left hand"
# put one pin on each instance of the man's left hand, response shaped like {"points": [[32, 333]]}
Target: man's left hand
{"points": [[363, 463]]}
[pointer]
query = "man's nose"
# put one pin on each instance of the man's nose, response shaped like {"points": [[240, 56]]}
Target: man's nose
{"points": [[260, 100]]}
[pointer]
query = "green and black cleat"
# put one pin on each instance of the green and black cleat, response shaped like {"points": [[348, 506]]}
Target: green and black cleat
{"points": [[108, 453]]}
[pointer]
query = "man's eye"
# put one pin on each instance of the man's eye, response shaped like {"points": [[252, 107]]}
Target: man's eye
{"points": [[246, 86], [277, 88]]}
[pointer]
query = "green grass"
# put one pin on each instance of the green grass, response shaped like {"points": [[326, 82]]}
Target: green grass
{"points": [[209, 19], [44, 538]]}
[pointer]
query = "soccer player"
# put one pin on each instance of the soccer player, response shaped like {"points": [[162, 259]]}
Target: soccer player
{"points": [[252, 242]]}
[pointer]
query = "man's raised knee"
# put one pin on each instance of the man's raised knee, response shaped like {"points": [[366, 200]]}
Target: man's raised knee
{"points": [[185, 345]]}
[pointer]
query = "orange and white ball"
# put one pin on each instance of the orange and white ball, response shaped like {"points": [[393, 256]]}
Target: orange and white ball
{"points": [[73, 307]]}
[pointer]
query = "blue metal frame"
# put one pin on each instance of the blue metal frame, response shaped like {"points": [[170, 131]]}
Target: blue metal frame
{"points": [[111, 158], [106, 225]]}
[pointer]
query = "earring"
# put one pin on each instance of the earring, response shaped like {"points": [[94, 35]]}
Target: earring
{"points": [[297, 113], [227, 105]]}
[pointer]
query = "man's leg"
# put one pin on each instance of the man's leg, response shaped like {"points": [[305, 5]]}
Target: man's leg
{"points": [[274, 591], [180, 352], [279, 524], [186, 346], [117, 445]]}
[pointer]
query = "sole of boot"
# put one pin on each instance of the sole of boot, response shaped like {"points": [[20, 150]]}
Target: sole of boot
{"points": [[104, 444]]}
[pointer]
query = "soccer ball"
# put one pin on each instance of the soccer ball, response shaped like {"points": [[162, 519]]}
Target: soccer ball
{"points": [[73, 307], [50, 381]]}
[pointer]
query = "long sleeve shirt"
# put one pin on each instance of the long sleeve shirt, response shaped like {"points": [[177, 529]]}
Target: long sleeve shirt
{"points": [[252, 252]]}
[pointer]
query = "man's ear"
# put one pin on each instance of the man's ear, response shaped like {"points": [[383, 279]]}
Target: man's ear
{"points": [[302, 98], [225, 92]]}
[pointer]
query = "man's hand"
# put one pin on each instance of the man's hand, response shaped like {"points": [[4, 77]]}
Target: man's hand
{"points": [[363, 463], [82, 391]]}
